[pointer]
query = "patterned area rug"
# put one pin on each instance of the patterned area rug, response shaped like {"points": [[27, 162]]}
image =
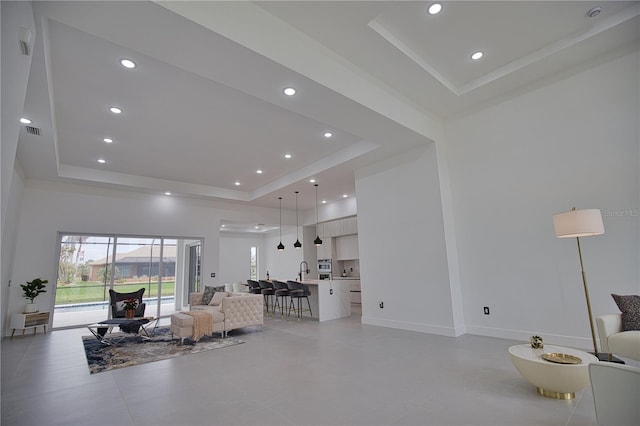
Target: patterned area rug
{"points": [[133, 350]]}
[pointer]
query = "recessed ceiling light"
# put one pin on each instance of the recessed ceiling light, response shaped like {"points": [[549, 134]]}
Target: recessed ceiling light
{"points": [[167, 193], [237, 183], [101, 160], [324, 201], [223, 225], [108, 140], [435, 8], [256, 227], [127, 63], [312, 180], [344, 195], [328, 135], [259, 171], [477, 55], [115, 110], [289, 91], [592, 13], [25, 120], [287, 156]]}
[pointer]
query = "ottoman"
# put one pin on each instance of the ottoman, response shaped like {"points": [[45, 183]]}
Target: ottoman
{"points": [[181, 326]]}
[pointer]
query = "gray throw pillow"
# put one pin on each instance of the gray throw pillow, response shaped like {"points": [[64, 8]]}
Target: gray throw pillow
{"points": [[630, 308], [209, 291]]}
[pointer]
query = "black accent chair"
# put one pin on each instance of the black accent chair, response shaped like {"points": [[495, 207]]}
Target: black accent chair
{"points": [[268, 291], [254, 287], [281, 293], [298, 291], [116, 299]]}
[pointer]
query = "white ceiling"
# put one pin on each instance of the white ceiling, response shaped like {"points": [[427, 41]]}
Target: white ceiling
{"points": [[204, 107]]}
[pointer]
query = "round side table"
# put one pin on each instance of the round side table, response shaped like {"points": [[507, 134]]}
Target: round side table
{"points": [[552, 380]]}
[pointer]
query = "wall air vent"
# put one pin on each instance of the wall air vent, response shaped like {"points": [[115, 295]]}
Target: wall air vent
{"points": [[33, 130], [24, 40]]}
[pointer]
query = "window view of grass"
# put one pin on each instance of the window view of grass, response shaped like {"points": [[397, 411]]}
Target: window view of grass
{"points": [[87, 262], [93, 291]]}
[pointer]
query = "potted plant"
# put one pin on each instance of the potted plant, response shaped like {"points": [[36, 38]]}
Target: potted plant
{"points": [[129, 306], [31, 290]]}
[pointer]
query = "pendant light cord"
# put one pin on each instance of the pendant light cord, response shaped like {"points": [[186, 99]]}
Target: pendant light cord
{"points": [[316, 185]]}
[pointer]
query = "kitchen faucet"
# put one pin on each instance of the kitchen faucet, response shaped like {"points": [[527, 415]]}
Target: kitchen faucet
{"points": [[306, 271]]}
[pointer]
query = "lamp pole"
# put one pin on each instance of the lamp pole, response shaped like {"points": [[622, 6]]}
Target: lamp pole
{"points": [[586, 295]]}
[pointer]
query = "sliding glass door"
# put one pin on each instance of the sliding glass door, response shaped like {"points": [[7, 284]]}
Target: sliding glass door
{"points": [[90, 265]]}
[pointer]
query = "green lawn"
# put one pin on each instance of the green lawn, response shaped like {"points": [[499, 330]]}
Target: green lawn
{"points": [[92, 291]]}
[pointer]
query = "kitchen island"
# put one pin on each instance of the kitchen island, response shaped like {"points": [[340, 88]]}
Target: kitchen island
{"points": [[330, 299]]}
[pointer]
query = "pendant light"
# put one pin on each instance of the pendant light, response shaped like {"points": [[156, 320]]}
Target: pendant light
{"points": [[317, 241], [297, 244], [280, 246]]}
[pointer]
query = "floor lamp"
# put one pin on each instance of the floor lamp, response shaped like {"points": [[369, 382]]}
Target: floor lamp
{"points": [[581, 223]]}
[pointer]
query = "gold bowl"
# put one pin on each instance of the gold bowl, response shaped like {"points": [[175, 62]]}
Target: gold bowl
{"points": [[561, 358]]}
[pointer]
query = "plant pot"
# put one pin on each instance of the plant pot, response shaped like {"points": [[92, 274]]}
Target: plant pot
{"points": [[130, 313], [30, 307]]}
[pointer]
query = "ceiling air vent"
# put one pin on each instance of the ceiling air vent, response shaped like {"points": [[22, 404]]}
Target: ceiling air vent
{"points": [[33, 130]]}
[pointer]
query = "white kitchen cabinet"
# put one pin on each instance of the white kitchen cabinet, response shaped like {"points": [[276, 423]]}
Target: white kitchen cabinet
{"points": [[355, 291], [338, 228], [350, 226], [347, 247]]}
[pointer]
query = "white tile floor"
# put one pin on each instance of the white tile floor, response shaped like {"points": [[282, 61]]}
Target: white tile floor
{"points": [[290, 373]]}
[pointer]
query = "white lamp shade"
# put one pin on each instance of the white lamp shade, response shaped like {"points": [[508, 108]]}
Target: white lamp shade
{"points": [[578, 223]]}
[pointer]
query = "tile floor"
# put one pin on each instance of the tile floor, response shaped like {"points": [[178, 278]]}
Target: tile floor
{"points": [[291, 373]]}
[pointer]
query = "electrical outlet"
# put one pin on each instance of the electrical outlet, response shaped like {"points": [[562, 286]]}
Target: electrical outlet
{"points": [[381, 304], [486, 310]]}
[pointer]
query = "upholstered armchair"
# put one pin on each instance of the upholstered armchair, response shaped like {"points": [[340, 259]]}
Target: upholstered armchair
{"points": [[614, 340]]}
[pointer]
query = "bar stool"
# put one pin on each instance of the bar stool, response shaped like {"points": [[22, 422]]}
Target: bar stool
{"points": [[267, 290], [281, 293], [298, 291], [254, 287]]}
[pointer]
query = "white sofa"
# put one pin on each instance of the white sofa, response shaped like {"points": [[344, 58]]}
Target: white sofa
{"points": [[239, 309], [615, 341]]}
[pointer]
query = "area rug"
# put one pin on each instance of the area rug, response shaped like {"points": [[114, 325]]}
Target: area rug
{"points": [[133, 350]]}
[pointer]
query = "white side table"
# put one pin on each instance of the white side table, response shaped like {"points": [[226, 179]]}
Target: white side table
{"points": [[29, 320], [552, 380]]}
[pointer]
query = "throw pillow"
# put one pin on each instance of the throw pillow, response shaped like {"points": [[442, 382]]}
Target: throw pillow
{"points": [[209, 291], [630, 308], [216, 300]]}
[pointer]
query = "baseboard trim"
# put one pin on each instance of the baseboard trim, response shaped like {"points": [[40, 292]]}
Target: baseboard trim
{"points": [[501, 333], [412, 326], [553, 339]]}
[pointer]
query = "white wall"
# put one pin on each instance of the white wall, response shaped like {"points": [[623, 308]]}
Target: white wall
{"points": [[15, 74], [9, 237], [513, 165], [282, 265], [235, 256], [403, 260]]}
